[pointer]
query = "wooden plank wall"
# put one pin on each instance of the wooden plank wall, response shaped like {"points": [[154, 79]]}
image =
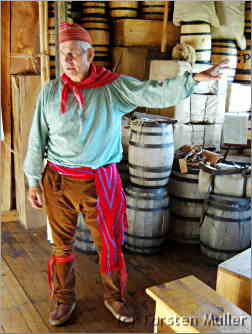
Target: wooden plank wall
{"points": [[5, 161], [20, 54], [24, 37], [25, 89]]}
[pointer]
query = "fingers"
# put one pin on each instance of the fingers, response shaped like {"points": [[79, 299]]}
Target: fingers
{"points": [[35, 198]]}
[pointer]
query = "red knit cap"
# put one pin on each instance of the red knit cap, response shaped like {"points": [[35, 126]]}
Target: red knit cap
{"points": [[73, 32]]}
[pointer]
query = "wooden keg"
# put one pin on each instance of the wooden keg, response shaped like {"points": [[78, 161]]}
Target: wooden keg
{"points": [[148, 218], [123, 9], [247, 28], [225, 229], [186, 205], [98, 27], [51, 28], [243, 70], [225, 49], [151, 151], [94, 8], [229, 179], [152, 10], [83, 239], [198, 35], [52, 64], [123, 169]]}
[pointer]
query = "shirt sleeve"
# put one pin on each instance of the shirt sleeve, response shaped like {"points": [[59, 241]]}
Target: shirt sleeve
{"points": [[38, 137], [131, 93]]}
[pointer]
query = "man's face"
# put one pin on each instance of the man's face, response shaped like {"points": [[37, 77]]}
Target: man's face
{"points": [[74, 59]]}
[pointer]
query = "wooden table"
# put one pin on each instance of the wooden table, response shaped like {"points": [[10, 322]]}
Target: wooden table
{"points": [[188, 305], [234, 280]]}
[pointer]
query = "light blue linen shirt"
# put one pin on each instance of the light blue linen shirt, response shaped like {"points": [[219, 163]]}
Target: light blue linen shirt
{"points": [[91, 136]]}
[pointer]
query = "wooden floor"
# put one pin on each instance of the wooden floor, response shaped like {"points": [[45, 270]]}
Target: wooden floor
{"points": [[24, 290]]}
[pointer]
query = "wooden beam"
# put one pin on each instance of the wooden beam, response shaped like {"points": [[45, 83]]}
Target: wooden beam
{"points": [[25, 89], [43, 33], [9, 216], [5, 146]]}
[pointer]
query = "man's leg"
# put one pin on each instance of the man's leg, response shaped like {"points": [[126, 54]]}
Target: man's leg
{"points": [[62, 217], [111, 283]]}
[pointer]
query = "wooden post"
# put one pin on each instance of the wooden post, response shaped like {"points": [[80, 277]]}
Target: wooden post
{"points": [[5, 159], [164, 30], [25, 90], [43, 31]]}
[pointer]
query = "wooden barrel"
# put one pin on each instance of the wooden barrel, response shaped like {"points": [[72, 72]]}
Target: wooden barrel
{"points": [[52, 64], [247, 28], [51, 28], [123, 9], [186, 206], [125, 135], [148, 218], [151, 151], [230, 179], [198, 35], [225, 49], [243, 70], [98, 27], [83, 240], [94, 8], [225, 229], [152, 10], [123, 169]]}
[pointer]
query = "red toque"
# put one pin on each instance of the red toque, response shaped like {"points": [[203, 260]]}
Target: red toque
{"points": [[73, 32]]}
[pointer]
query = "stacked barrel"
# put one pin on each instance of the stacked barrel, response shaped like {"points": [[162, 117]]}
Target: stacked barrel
{"points": [[94, 18], [198, 35], [150, 157], [226, 221], [52, 32], [154, 10], [186, 205], [52, 37], [243, 71]]}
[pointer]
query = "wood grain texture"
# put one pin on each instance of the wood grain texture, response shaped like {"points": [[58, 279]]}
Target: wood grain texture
{"points": [[130, 61], [24, 37], [234, 280], [17, 309], [25, 90], [5, 149], [189, 298], [27, 252], [9, 216], [137, 32]]}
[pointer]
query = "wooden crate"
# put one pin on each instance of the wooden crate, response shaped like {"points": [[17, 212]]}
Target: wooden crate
{"points": [[188, 305], [130, 61], [234, 280], [24, 93], [135, 32]]}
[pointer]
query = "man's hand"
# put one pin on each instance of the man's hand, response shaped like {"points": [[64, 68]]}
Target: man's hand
{"points": [[35, 197], [213, 73]]}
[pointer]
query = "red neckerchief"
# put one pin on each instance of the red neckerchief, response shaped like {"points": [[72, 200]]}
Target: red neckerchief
{"points": [[98, 76]]}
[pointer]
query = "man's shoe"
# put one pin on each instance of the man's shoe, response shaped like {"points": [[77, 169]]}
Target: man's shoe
{"points": [[120, 311], [61, 313]]}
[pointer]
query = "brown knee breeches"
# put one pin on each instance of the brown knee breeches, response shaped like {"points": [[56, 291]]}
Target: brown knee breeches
{"points": [[65, 197]]}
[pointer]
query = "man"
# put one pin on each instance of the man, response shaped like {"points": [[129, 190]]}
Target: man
{"points": [[77, 127]]}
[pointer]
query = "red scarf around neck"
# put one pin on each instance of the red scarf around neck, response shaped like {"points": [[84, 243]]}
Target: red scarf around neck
{"points": [[98, 76]]}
